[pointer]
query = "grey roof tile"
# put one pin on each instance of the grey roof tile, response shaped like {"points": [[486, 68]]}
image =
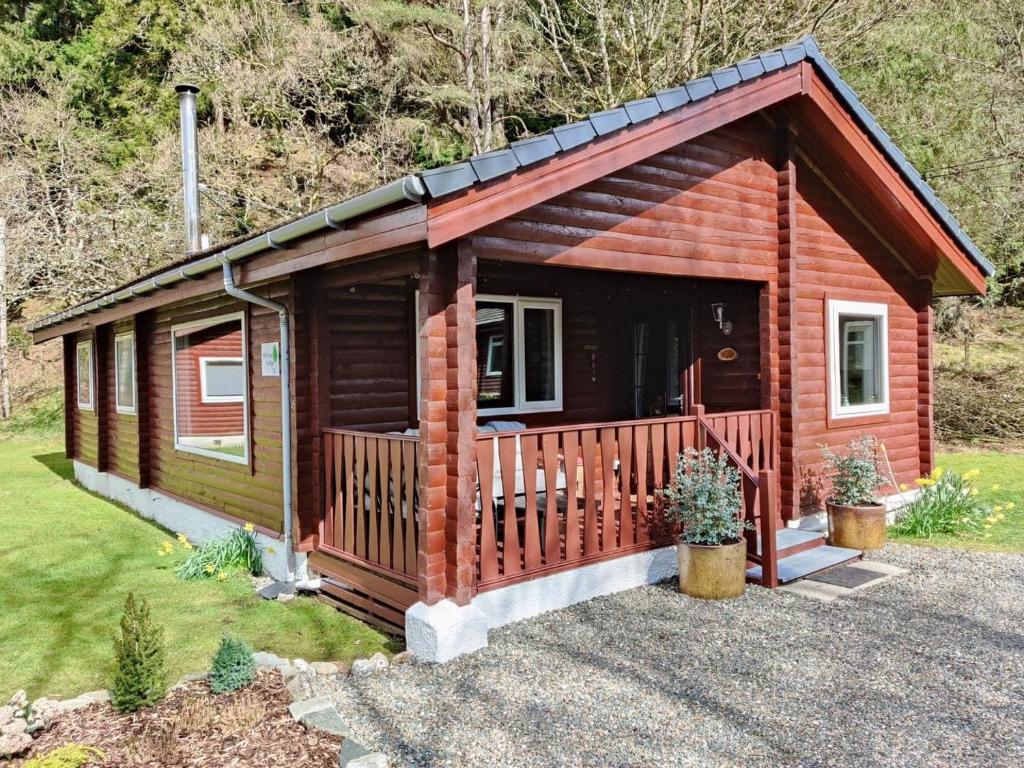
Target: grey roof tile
{"points": [[535, 149], [750, 68], [609, 120], [671, 98], [772, 60], [700, 88], [449, 178], [642, 109], [725, 77], [490, 165], [574, 135]]}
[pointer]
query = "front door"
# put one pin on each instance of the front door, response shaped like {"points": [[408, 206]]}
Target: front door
{"points": [[660, 363]]}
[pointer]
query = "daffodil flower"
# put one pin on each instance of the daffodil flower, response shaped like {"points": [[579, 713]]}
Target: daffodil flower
{"points": [[1009, 505], [209, 568], [995, 487], [271, 550], [222, 576], [249, 527], [936, 473], [925, 482], [903, 486]]}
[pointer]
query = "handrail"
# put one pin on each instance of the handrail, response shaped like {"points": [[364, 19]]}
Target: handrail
{"points": [[587, 425], [759, 499]]}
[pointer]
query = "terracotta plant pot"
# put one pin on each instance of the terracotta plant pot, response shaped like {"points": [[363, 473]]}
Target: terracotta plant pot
{"points": [[713, 572], [861, 527]]}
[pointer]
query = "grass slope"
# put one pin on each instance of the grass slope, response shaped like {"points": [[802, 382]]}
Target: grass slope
{"points": [[67, 560], [1001, 481]]}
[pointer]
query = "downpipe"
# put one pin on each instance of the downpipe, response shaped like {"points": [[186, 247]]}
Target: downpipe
{"points": [[286, 399]]}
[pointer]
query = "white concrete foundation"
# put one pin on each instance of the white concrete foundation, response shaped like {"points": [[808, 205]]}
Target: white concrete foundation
{"points": [[442, 631], [179, 517]]}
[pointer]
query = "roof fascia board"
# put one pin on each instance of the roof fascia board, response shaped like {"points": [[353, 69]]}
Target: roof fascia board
{"points": [[479, 206], [867, 151]]}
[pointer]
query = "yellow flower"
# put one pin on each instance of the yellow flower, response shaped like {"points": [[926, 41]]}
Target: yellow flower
{"points": [[183, 539], [167, 546], [271, 550], [997, 508], [995, 486], [187, 545], [1009, 505], [924, 482], [160, 553], [222, 576], [249, 527], [903, 486], [936, 473], [989, 520], [209, 568]]}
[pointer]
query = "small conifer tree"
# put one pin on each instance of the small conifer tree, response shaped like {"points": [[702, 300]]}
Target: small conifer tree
{"points": [[140, 679], [233, 666]]}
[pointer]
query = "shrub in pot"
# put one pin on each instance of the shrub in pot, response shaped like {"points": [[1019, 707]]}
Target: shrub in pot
{"points": [[856, 518], [704, 500]]}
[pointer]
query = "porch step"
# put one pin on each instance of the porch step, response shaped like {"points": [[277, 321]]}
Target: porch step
{"points": [[809, 561], [789, 541]]}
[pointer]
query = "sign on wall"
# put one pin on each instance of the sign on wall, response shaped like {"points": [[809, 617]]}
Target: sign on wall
{"points": [[270, 358]]}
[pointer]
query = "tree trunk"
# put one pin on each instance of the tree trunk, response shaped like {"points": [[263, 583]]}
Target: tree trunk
{"points": [[5, 347]]}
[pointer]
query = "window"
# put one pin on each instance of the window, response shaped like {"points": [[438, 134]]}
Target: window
{"points": [[84, 375], [858, 358], [520, 340], [222, 379], [211, 392], [124, 372]]}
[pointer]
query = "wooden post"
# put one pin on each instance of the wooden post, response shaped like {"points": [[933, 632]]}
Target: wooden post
{"points": [[788, 346], [70, 394], [925, 383], [767, 512], [702, 435], [143, 410], [447, 449], [102, 385]]}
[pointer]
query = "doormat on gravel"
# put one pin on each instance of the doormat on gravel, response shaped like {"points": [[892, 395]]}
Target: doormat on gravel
{"points": [[848, 576]]}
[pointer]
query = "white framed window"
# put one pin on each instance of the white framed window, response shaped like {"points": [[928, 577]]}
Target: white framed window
{"points": [[519, 354], [84, 375], [125, 387], [210, 374], [858, 365], [222, 379]]}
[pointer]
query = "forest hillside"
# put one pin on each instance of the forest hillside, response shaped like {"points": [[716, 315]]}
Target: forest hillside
{"points": [[306, 102]]}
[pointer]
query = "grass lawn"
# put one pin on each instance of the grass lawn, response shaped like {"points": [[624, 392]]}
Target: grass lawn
{"points": [[67, 560], [1001, 481]]}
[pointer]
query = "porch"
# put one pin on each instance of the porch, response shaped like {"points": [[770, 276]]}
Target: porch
{"points": [[483, 425]]}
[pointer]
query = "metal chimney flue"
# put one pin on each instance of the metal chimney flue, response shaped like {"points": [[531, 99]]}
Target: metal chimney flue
{"points": [[189, 164]]}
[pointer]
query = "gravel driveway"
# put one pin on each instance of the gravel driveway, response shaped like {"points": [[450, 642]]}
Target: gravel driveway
{"points": [[924, 669]]}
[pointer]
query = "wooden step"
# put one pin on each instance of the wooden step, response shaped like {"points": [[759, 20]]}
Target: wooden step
{"points": [[808, 561]]}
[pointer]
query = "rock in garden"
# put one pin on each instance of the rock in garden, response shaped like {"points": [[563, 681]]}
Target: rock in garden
{"points": [[14, 744], [300, 709], [327, 720], [15, 726], [325, 668], [402, 658], [371, 760], [300, 688], [42, 713], [7, 713], [264, 659], [100, 696], [304, 667], [354, 755], [363, 668], [379, 661], [285, 597]]}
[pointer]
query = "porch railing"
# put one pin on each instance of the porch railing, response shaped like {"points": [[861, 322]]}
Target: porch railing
{"points": [[559, 497], [371, 497], [548, 499]]}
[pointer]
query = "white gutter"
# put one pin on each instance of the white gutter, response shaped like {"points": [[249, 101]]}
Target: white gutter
{"points": [[408, 188]]}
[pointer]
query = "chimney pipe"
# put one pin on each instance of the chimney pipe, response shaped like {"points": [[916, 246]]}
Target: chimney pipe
{"points": [[189, 165]]}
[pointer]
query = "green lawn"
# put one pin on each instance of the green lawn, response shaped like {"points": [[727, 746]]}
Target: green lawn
{"points": [[67, 560], [1001, 481]]}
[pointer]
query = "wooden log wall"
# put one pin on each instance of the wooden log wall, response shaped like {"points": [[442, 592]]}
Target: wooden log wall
{"points": [[840, 259]]}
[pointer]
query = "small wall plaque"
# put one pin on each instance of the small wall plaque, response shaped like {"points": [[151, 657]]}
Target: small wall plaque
{"points": [[727, 354]]}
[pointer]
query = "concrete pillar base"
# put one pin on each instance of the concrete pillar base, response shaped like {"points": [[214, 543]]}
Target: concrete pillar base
{"points": [[440, 632]]}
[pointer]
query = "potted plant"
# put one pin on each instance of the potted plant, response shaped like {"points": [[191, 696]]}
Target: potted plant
{"points": [[704, 500], [856, 519]]}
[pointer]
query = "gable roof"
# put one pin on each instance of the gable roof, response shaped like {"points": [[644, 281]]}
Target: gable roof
{"points": [[494, 166]]}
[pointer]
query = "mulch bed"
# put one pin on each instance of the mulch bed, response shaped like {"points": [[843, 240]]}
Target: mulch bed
{"points": [[193, 727]]}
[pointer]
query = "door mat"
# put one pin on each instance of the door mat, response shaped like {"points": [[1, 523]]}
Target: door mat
{"points": [[848, 576]]}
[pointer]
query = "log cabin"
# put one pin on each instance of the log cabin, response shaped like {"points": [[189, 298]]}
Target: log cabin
{"points": [[453, 400]]}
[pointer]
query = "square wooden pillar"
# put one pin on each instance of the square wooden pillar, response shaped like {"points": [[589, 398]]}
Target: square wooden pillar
{"points": [[447, 449]]}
